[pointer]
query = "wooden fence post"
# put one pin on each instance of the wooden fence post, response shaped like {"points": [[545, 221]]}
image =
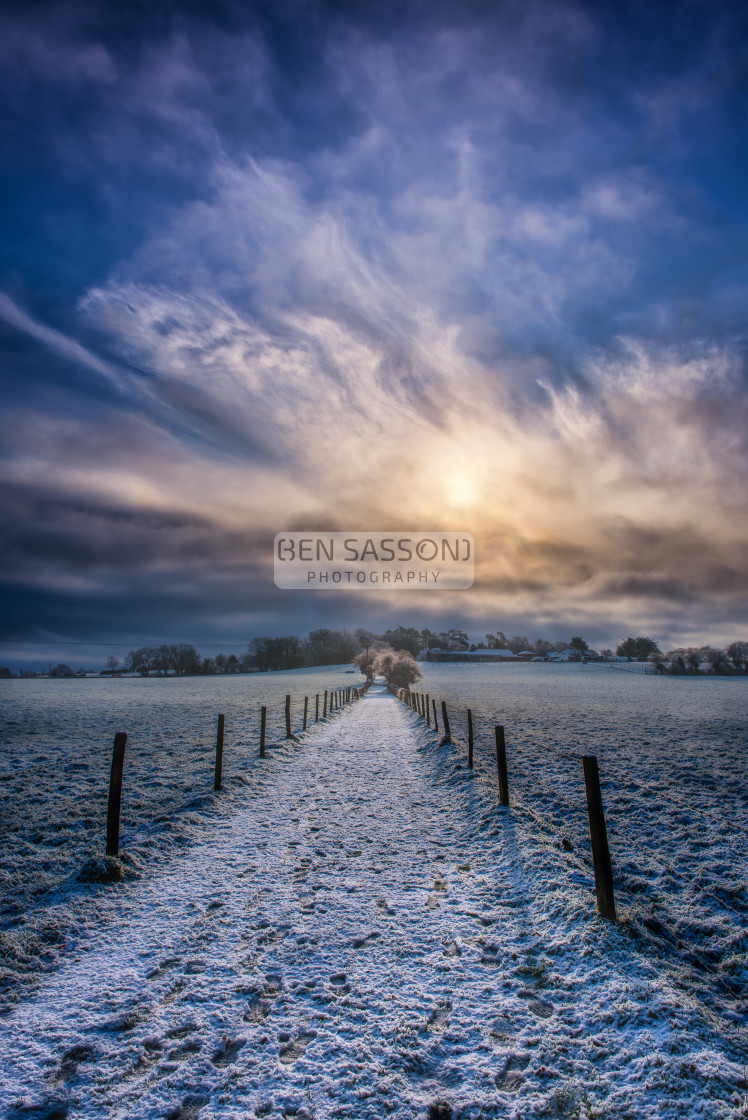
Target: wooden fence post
{"points": [[445, 721], [324, 710], [428, 712], [288, 717], [219, 753], [436, 721], [263, 728], [316, 708], [501, 765], [470, 738], [306, 710], [606, 902], [115, 794]]}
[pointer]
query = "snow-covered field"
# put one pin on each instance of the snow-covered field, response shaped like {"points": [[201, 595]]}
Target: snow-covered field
{"points": [[673, 757], [367, 936], [354, 928], [55, 757]]}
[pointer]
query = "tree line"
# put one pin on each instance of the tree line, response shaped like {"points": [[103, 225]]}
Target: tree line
{"points": [[335, 647]]}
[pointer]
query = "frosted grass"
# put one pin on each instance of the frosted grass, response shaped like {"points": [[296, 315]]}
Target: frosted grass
{"points": [[672, 755], [55, 756]]}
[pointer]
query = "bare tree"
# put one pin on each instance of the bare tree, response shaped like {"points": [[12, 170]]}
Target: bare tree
{"points": [[738, 654]]}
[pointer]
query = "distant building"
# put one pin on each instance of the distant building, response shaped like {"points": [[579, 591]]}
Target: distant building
{"points": [[476, 655]]}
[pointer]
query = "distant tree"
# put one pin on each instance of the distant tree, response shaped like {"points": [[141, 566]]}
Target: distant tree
{"points": [[429, 640], [405, 637], [716, 659], [606, 652], [141, 660], [5, 672], [347, 645], [112, 664], [329, 647], [386, 658], [455, 639], [165, 657], [186, 660], [286, 652], [221, 662], [258, 653], [637, 648], [518, 643], [541, 647], [61, 671], [498, 640], [738, 654], [232, 664], [367, 661], [578, 643], [365, 638], [400, 669]]}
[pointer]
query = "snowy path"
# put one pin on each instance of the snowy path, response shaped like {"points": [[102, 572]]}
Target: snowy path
{"points": [[369, 936]]}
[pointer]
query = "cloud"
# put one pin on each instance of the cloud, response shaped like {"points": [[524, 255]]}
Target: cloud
{"points": [[68, 348], [427, 256]]}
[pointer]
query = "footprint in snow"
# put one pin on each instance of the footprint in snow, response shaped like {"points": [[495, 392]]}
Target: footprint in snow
{"points": [[227, 1050], [438, 1017], [292, 1047], [512, 1076], [48, 1108], [273, 984], [189, 1108], [359, 942], [384, 905], [71, 1060], [184, 1051], [162, 968], [338, 983], [540, 1007], [451, 948], [257, 1010]]}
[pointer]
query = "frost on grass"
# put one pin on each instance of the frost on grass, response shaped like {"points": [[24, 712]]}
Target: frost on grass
{"points": [[242, 978], [102, 869]]}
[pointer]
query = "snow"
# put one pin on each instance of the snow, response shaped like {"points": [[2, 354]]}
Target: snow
{"points": [[364, 933]]}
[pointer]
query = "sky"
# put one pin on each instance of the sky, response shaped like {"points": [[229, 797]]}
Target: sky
{"points": [[478, 267]]}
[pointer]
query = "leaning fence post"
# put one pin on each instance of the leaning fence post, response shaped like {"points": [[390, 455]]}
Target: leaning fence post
{"points": [[606, 902], [288, 717], [470, 738], [436, 721], [115, 794], [263, 728], [445, 721], [306, 709], [219, 753], [501, 765]]}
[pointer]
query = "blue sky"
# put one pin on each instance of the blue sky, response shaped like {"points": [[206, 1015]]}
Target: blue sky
{"points": [[420, 265]]}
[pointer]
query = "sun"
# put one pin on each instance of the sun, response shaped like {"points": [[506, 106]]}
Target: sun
{"points": [[461, 490]]}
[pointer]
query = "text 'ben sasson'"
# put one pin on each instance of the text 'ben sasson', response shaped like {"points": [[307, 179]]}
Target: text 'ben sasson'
{"points": [[376, 560]]}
